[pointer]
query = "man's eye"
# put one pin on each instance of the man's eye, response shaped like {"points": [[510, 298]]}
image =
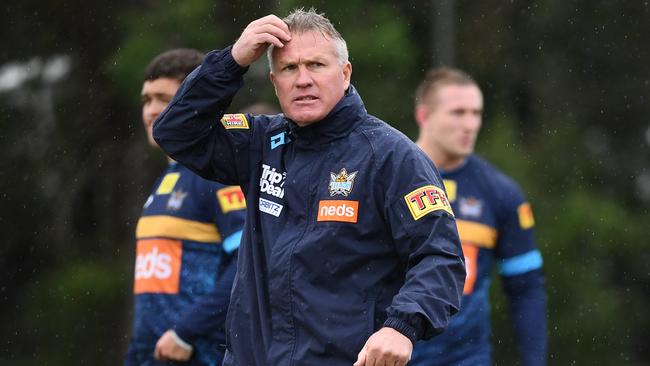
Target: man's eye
{"points": [[289, 67]]}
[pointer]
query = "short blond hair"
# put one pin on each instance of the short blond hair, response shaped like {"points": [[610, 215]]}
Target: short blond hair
{"points": [[302, 21], [438, 77]]}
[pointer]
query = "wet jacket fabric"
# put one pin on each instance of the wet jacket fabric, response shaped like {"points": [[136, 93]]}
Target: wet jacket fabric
{"points": [[495, 224], [187, 242], [348, 227]]}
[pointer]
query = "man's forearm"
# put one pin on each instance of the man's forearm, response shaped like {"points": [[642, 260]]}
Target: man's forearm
{"points": [[528, 313], [209, 314]]}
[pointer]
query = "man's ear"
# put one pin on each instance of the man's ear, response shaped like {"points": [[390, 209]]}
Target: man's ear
{"points": [[421, 114], [347, 74], [272, 77]]}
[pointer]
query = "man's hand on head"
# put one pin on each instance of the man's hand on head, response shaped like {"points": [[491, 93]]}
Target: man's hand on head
{"points": [[386, 346], [257, 37]]}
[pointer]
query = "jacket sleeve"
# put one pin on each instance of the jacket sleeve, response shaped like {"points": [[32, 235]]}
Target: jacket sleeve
{"points": [[229, 208], [424, 231], [208, 316], [191, 129]]}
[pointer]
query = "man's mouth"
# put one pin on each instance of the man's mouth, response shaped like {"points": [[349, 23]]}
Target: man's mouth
{"points": [[305, 98]]}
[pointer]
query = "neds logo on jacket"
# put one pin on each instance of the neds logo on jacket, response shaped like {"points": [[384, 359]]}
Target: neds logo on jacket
{"points": [[338, 210], [157, 266]]}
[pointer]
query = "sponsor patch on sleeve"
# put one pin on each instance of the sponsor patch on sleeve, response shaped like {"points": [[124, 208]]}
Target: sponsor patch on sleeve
{"points": [[231, 199], [451, 187], [525, 212], [427, 199], [168, 183], [234, 121]]}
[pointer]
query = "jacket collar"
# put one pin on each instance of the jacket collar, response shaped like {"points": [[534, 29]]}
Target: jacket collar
{"points": [[339, 122]]}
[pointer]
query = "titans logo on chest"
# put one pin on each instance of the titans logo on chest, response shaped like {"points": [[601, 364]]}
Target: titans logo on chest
{"points": [[470, 207], [341, 183], [175, 201]]}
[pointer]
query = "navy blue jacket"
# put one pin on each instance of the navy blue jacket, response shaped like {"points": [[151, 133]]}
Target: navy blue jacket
{"points": [[348, 228]]}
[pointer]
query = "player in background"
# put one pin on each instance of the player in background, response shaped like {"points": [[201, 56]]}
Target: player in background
{"points": [[495, 224], [187, 242]]}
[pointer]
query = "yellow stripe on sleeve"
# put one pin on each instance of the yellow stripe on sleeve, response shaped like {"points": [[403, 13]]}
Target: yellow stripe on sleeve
{"points": [[479, 234], [177, 228]]}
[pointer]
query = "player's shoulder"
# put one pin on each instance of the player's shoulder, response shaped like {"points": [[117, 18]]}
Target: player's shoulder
{"points": [[492, 174], [197, 182], [505, 189]]}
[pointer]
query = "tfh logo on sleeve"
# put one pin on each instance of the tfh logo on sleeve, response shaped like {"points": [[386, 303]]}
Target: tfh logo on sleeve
{"points": [[427, 199], [231, 199]]}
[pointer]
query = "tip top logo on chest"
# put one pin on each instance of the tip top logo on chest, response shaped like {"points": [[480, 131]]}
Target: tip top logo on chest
{"points": [[341, 183]]}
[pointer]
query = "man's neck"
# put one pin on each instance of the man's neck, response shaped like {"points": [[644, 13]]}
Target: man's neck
{"points": [[441, 160]]}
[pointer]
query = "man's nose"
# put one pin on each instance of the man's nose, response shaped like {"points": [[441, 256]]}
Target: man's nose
{"points": [[304, 77], [471, 121], [155, 108]]}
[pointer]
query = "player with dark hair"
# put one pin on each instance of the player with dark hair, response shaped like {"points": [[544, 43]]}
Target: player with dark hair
{"points": [[187, 242]]}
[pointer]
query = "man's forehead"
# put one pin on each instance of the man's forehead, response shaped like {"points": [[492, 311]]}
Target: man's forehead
{"points": [[313, 35], [457, 94], [163, 85], [305, 45]]}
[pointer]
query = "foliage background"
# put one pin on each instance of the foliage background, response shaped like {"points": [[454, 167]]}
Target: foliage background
{"points": [[566, 86]]}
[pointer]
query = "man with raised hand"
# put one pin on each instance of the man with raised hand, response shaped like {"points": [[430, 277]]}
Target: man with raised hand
{"points": [[350, 252], [495, 225]]}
